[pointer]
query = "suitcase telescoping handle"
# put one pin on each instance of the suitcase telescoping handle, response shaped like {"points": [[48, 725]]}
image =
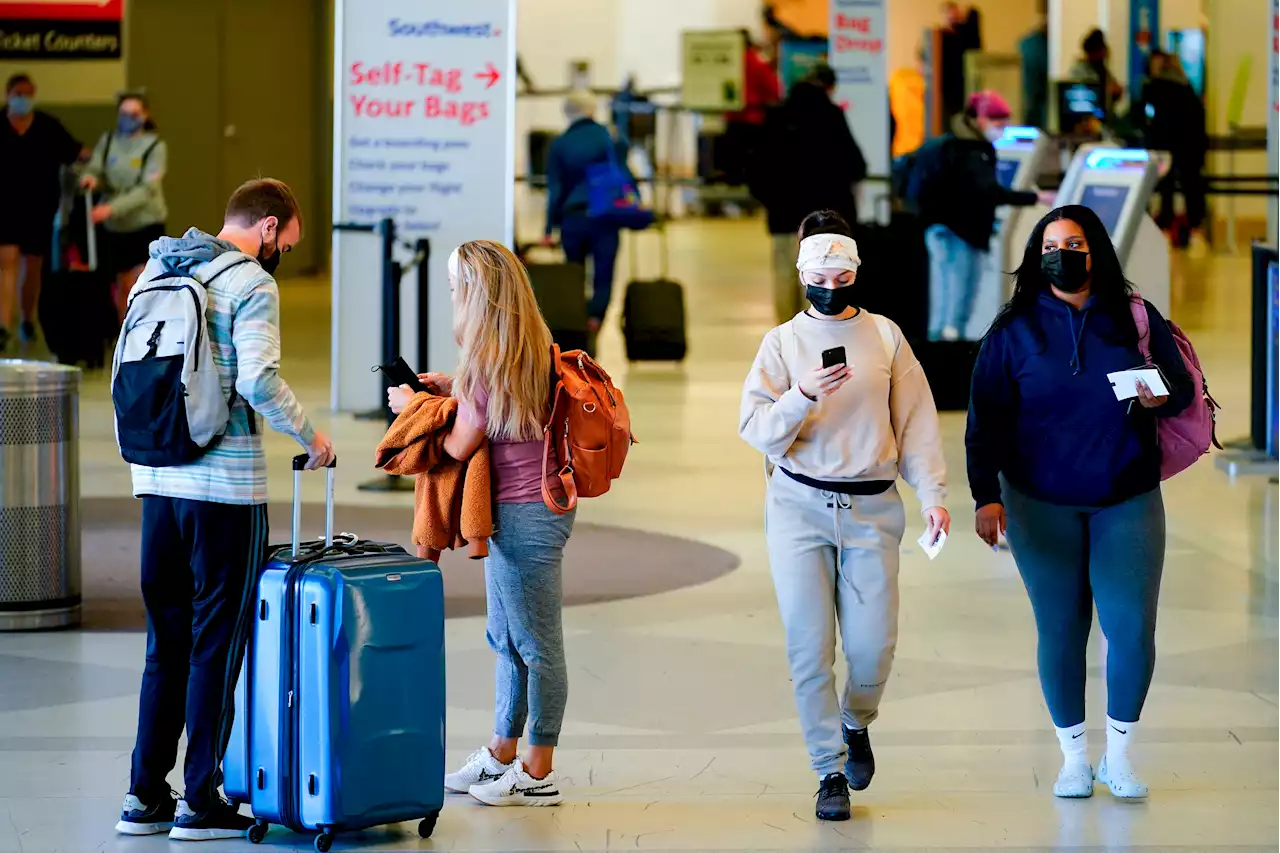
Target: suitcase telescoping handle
{"points": [[90, 231], [299, 464]]}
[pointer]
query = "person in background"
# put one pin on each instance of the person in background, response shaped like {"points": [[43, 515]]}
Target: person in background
{"points": [[34, 146], [808, 160], [204, 525], [1073, 475], [1033, 50], [1172, 118], [961, 33], [836, 439], [1092, 68], [743, 129], [954, 186], [503, 386], [585, 143], [127, 170], [906, 106]]}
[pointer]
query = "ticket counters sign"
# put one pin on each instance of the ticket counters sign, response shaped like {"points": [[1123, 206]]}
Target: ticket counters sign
{"points": [[61, 29], [857, 54], [424, 134]]}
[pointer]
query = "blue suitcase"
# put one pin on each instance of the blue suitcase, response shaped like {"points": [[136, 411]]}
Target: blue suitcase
{"points": [[339, 710]]}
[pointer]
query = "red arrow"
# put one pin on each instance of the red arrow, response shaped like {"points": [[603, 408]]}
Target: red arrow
{"points": [[489, 73]]}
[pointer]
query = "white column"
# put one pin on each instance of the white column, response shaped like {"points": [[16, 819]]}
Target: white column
{"points": [[1069, 22]]}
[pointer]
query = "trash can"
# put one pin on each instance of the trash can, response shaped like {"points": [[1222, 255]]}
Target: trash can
{"points": [[39, 495]]}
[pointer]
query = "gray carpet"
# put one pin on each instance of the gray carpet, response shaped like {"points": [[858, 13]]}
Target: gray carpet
{"points": [[601, 563]]}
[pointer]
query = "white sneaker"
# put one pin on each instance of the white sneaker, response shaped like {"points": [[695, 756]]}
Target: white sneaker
{"points": [[481, 767], [1123, 781], [1075, 781], [951, 333], [518, 788]]}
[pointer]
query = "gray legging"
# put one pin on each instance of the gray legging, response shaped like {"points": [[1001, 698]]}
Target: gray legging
{"points": [[1072, 557]]}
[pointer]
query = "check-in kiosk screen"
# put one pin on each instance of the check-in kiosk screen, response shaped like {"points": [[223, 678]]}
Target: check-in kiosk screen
{"points": [[1107, 201], [1006, 170]]}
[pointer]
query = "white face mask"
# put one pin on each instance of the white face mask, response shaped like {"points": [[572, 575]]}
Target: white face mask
{"points": [[993, 134]]}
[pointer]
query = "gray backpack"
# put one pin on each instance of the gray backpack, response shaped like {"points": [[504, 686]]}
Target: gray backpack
{"points": [[169, 404]]}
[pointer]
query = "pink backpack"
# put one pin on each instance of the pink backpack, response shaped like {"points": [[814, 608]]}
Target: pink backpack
{"points": [[1187, 437]]}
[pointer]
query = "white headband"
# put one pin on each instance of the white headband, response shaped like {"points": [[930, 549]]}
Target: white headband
{"points": [[453, 264], [828, 251]]}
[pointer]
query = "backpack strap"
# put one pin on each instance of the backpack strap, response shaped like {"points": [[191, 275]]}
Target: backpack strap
{"points": [[564, 470], [142, 170], [886, 338], [1142, 321], [245, 259]]}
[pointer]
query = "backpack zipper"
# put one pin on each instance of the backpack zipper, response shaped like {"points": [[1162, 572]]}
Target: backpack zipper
{"points": [[195, 299]]}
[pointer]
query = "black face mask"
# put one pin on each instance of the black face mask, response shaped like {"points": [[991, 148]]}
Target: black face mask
{"points": [[270, 262], [830, 302], [1066, 269]]}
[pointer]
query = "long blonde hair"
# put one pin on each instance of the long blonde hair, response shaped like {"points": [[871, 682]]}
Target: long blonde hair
{"points": [[505, 344]]}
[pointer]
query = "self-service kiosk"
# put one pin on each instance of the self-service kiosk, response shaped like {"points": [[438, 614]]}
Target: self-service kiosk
{"points": [[1117, 184], [1019, 154]]}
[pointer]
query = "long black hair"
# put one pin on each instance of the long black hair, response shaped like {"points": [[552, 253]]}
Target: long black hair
{"points": [[1110, 290]]}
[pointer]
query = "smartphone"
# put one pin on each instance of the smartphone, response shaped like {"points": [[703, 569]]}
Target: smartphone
{"points": [[834, 356], [400, 373]]}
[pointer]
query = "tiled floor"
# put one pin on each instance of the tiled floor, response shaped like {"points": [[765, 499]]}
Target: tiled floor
{"points": [[681, 731]]}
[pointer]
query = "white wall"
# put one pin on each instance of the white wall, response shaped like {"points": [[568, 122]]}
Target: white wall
{"points": [[1239, 29]]}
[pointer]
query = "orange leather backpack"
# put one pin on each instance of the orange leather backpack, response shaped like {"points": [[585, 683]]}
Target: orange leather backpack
{"points": [[588, 435]]}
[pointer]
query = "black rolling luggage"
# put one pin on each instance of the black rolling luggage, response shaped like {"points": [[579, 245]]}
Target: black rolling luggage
{"points": [[561, 291], [893, 280], [77, 314], [948, 365], [653, 312]]}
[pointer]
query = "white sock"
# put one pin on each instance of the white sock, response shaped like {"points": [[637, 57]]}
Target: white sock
{"points": [[1118, 736], [1075, 744]]}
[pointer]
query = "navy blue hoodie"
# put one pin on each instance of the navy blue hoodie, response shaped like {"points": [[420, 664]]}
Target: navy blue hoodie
{"points": [[1043, 413]]}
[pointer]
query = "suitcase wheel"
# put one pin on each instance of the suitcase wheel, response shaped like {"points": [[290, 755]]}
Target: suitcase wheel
{"points": [[258, 832], [323, 842], [428, 825]]}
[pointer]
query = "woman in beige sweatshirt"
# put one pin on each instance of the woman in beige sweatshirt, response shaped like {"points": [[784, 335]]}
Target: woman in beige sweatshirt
{"points": [[837, 439]]}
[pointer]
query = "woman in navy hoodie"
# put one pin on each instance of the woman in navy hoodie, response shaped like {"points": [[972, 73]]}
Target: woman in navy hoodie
{"points": [[1075, 475]]}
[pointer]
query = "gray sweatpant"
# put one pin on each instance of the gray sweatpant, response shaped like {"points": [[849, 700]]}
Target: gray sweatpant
{"points": [[524, 599], [834, 560]]}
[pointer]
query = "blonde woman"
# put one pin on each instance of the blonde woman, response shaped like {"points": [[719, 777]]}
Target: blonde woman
{"points": [[503, 387]]}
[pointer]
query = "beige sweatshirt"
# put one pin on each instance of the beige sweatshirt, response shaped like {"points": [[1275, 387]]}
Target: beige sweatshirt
{"points": [[881, 424]]}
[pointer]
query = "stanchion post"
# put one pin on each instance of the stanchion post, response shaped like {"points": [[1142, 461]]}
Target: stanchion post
{"points": [[390, 296], [392, 273], [422, 251]]}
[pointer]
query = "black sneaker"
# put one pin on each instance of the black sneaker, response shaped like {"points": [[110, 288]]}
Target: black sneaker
{"points": [[861, 763], [27, 331], [833, 798], [137, 818], [221, 821]]}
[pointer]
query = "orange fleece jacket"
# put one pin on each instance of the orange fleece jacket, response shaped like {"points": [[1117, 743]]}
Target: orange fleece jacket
{"points": [[452, 500]]}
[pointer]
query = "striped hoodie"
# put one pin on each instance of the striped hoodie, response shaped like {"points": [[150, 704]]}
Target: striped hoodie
{"points": [[244, 333]]}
